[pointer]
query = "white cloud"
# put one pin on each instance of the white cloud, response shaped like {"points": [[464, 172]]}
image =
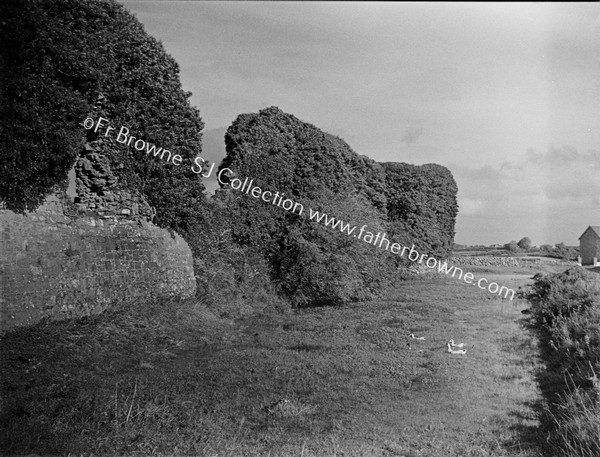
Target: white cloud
{"points": [[549, 196], [485, 81]]}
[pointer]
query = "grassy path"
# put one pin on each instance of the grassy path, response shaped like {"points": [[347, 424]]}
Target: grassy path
{"points": [[422, 401], [319, 382]]}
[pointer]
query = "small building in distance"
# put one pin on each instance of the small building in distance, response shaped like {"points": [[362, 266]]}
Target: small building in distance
{"points": [[589, 246]]}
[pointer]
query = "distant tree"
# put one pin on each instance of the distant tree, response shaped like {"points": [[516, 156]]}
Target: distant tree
{"points": [[512, 246], [562, 251], [524, 243]]}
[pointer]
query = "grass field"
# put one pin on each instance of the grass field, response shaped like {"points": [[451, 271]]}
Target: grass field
{"points": [[172, 379]]}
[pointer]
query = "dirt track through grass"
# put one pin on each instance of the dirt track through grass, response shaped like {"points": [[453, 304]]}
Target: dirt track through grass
{"points": [[418, 401], [352, 385]]}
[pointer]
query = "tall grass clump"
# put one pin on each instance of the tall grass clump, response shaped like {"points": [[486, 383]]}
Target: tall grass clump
{"points": [[566, 314], [577, 421]]}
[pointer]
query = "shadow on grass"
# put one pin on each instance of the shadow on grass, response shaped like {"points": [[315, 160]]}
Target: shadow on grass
{"points": [[531, 438], [307, 347], [528, 428], [66, 383]]}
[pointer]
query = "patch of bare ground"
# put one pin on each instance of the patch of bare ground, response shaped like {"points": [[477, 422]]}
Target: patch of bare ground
{"points": [[171, 379]]}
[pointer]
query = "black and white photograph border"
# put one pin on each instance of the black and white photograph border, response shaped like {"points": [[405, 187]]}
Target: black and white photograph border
{"points": [[279, 228]]}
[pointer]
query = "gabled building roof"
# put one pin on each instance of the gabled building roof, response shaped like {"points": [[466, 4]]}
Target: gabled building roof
{"points": [[593, 228]]}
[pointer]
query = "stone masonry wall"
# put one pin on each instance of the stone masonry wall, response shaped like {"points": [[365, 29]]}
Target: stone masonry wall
{"points": [[485, 261], [496, 261], [98, 190], [54, 266]]}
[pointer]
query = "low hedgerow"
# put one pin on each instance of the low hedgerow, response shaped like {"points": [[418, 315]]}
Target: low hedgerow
{"points": [[570, 292], [566, 313]]}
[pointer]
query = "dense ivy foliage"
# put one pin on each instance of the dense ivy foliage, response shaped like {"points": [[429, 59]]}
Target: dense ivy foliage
{"points": [[310, 262], [422, 206], [298, 157], [57, 57]]}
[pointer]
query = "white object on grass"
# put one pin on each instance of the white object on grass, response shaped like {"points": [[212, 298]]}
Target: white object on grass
{"points": [[456, 345], [456, 351]]}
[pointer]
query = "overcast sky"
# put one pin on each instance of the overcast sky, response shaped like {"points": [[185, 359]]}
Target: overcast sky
{"points": [[507, 96]]}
